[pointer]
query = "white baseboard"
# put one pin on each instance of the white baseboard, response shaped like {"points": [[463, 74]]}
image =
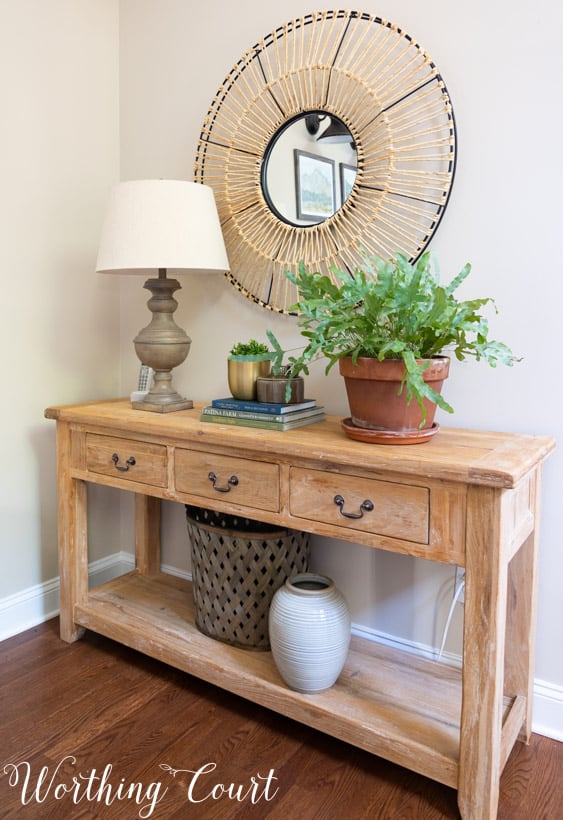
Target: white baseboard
{"points": [[39, 603], [414, 647], [548, 709], [179, 573]]}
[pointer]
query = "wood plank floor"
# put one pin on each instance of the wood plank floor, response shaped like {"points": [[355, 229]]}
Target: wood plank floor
{"points": [[71, 709]]}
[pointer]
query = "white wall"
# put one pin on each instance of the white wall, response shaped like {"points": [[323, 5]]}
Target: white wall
{"points": [[59, 152], [502, 65], [60, 146]]}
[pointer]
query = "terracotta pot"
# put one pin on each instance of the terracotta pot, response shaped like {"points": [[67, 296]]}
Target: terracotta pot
{"points": [[373, 393]]}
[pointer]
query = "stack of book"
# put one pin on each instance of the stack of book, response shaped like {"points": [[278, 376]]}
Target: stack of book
{"points": [[262, 414]]}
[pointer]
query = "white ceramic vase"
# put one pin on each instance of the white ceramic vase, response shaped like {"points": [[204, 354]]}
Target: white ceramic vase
{"points": [[309, 626]]}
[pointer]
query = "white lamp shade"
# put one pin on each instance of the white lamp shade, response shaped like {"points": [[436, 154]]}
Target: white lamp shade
{"points": [[153, 224]]}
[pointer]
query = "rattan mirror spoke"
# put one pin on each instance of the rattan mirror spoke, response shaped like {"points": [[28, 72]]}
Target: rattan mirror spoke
{"points": [[385, 89]]}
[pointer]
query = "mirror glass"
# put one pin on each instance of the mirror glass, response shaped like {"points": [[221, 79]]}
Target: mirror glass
{"points": [[309, 168]]}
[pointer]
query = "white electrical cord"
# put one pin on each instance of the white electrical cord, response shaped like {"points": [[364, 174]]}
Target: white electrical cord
{"points": [[459, 590]]}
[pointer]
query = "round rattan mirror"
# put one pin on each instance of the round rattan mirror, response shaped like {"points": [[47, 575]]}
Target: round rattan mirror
{"points": [[381, 184]]}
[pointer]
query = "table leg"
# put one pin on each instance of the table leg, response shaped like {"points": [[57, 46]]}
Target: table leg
{"points": [[147, 534], [521, 619], [73, 538], [483, 657]]}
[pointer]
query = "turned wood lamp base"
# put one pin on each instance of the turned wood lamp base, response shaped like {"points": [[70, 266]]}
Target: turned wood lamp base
{"points": [[162, 345]]}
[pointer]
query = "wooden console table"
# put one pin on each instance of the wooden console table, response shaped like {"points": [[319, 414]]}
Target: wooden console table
{"points": [[466, 498]]}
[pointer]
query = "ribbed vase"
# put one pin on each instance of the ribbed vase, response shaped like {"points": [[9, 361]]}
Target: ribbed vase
{"points": [[309, 626]]}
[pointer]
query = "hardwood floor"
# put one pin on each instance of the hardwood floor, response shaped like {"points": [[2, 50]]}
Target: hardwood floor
{"points": [[95, 709]]}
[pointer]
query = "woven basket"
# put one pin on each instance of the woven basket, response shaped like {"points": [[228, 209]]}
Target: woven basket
{"points": [[237, 565]]}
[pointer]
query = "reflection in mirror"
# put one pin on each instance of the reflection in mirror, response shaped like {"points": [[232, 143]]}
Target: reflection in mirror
{"points": [[309, 168]]}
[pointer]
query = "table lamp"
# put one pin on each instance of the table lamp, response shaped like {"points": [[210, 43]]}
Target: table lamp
{"points": [[162, 225]]}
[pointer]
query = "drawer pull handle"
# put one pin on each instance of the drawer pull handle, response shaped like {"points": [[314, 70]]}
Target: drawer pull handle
{"points": [[123, 469], [365, 506], [232, 482]]}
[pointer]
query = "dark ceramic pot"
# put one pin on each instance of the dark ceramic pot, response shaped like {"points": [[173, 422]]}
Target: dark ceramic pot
{"points": [[272, 389]]}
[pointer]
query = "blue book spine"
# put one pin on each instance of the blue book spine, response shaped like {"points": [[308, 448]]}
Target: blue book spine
{"points": [[260, 406]]}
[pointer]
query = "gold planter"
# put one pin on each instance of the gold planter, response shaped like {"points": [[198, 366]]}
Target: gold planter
{"points": [[243, 372]]}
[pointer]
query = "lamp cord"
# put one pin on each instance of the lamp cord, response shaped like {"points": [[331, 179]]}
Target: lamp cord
{"points": [[449, 618]]}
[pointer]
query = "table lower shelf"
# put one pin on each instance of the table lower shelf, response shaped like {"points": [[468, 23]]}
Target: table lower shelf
{"points": [[390, 703]]}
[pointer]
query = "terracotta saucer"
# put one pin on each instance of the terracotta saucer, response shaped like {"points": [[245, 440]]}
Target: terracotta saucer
{"points": [[388, 436]]}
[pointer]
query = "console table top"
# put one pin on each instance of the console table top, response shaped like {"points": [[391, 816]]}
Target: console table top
{"points": [[480, 457]]}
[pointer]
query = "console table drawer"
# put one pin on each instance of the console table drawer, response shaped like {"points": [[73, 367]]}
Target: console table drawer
{"points": [[379, 507], [126, 459], [223, 478]]}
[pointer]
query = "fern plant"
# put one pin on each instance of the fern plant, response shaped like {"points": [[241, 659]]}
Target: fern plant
{"points": [[389, 310]]}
